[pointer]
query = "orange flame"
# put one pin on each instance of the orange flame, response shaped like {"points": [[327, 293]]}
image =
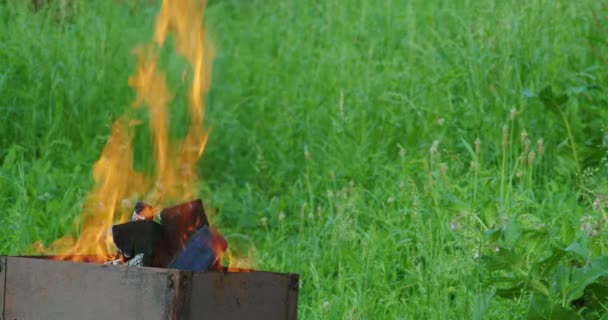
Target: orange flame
{"points": [[174, 178], [238, 263]]}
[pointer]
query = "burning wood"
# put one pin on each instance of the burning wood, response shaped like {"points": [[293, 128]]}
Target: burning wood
{"points": [[181, 221], [182, 240], [142, 211], [141, 237], [201, 252], [179, 236]]}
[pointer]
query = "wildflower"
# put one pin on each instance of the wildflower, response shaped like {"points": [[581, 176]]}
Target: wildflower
{"points": [[281, 216], [390, 200], [505, 137], [502, 220], [440, 121], [264, 221], [342, 104], [589, 226], [46, 196], [401, 153], [531, 157], [443, 169], [600, 202], [455, 224], [302, 208], [523, 136], [326, 306], [433, 149]]}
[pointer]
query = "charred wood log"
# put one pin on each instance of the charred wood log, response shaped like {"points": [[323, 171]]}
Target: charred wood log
{"points": [[201, 252], [142, 237], [182, 240], [142, 211], [181, 222]]}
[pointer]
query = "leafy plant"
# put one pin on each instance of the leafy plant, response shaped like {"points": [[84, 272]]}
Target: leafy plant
{"points": [[560, 281]]}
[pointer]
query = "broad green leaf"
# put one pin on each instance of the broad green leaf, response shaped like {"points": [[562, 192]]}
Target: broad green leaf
{"points": [[481, 304], [551, 100], [511, 235], [529, 222], [580, 246], [585, 276], [541, 308], [549, 263]]}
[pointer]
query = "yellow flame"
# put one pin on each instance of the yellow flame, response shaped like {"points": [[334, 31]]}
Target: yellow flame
{"points": [[117, 184]]}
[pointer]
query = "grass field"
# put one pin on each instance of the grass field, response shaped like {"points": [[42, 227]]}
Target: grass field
{"points": [[390, 152]]}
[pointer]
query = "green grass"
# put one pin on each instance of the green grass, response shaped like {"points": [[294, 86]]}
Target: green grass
{"points": [[349, 127]]}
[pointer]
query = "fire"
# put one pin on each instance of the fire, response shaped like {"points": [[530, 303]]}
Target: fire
{"points": [[238, 263], [117, 184]]}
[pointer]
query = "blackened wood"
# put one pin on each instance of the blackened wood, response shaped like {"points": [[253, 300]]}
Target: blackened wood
{"points": [[182, 221], [45, 289], [201, 251], [142, 211], [146, 237]]}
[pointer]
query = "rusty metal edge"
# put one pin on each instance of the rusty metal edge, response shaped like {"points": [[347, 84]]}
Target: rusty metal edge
{"points": [[3, 272], [292, 296], [181, 294]]}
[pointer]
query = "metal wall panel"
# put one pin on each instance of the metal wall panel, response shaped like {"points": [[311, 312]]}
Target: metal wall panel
{"points": [[2, 278], [242, 295], [44, 289], [33, 289]]}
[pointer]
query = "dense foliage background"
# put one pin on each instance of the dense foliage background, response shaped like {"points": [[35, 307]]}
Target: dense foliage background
{"points": [[410, 159]]}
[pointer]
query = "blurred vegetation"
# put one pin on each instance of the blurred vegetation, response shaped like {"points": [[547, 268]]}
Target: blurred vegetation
{"points": [[410, 159]]}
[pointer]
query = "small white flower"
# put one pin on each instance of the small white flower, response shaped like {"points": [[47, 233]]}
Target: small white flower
{"points": [[455, 224]]}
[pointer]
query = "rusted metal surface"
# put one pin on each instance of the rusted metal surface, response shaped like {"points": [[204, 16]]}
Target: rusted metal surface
{"points": [[242, 295], [44, 289], [41, 289], [2, 278]]}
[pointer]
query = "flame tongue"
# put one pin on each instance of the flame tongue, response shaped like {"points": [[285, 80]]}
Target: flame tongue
{"points": [[174, 179]]}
